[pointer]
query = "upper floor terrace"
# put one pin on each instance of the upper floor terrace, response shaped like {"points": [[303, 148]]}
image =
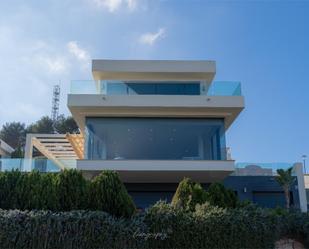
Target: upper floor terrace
{"points": [[180, 88], [147, 88]]}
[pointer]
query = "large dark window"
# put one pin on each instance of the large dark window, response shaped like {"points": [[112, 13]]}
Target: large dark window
{"points": [[155, 139], [147, 88]]}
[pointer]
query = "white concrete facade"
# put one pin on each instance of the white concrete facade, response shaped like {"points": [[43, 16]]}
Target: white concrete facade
{"points": [[153, 70], [162, 106], [301, 184], [161, 171], [95, 105]]}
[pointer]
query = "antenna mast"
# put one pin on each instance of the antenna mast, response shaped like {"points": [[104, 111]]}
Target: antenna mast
{"points": [[55, 103]]}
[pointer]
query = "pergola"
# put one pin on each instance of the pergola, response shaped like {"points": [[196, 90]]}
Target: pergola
{"points": [[62, 149]]}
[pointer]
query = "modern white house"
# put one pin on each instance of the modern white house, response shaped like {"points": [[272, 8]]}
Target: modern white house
{"points": [[156, 122]]}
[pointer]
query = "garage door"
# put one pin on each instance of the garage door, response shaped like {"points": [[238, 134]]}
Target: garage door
{"points": [[269, 199]]}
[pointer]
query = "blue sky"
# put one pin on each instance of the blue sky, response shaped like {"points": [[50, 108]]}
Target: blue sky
{"points": [[263, 44]]}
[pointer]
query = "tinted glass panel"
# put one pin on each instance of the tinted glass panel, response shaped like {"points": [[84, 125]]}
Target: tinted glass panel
{"points": [[155, 139], [120, 88]]}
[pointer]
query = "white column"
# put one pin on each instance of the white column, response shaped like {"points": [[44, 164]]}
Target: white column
{"points": [[298, 169], [28, 153]]}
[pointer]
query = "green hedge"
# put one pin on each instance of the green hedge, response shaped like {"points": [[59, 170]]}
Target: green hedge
{"points": [[64, 191], [161, 226], [66, 230], [213, 227]]}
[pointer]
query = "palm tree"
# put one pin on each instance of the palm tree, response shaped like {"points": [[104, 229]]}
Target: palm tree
{"points": [[285, 180]]}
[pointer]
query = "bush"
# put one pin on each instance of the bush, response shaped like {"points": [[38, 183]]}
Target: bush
{"points": [[107, 193], [36, 191], [293, 224], [220, 196], [67, 230], [212, 227], [188, 194], [64, 191], [72, 190], [8, 194], [161, 226]]}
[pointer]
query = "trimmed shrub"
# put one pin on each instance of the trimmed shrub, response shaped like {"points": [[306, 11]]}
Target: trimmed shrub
{"points": [[293, 225], [8, 194], [161, 226], [64, 191], [68, 230], [212, 227], [107, 193], [28, 191], [72, 190], [220, 196], [188, 194]]}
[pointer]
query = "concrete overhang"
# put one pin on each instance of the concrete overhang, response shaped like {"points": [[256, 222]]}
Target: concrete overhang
{"points": [[153, 70], [160, 171], [93, 105]]}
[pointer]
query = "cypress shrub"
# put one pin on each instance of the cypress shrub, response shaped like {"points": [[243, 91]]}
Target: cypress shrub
{"points": [[64, 191], [48, 193], [72, 190], [28, 191], [220, 196], [8, 194], [188, 194], [107, 193]]}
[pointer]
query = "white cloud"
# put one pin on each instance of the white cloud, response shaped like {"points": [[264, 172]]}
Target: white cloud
{"points": [[114, 5], [81, 54], [132, 4], [78, 52], [54, 65], [29, 68], [110, 5], [151, 38]]}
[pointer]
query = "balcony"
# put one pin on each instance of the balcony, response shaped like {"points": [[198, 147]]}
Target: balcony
{"points": [[26, 165], [191, 88], [186, 99]]}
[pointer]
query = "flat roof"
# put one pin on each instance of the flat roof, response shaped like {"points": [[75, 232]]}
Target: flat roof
{"points": [[153, 69]]}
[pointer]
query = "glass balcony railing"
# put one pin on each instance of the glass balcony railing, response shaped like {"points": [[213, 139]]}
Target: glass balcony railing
{"points": [[260, 169], [216, 88], [21, 164]]}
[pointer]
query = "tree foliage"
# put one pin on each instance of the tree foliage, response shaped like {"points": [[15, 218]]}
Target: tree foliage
{"points": [[285, 180], [14, 134], [66, 125], [43, 125]]}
